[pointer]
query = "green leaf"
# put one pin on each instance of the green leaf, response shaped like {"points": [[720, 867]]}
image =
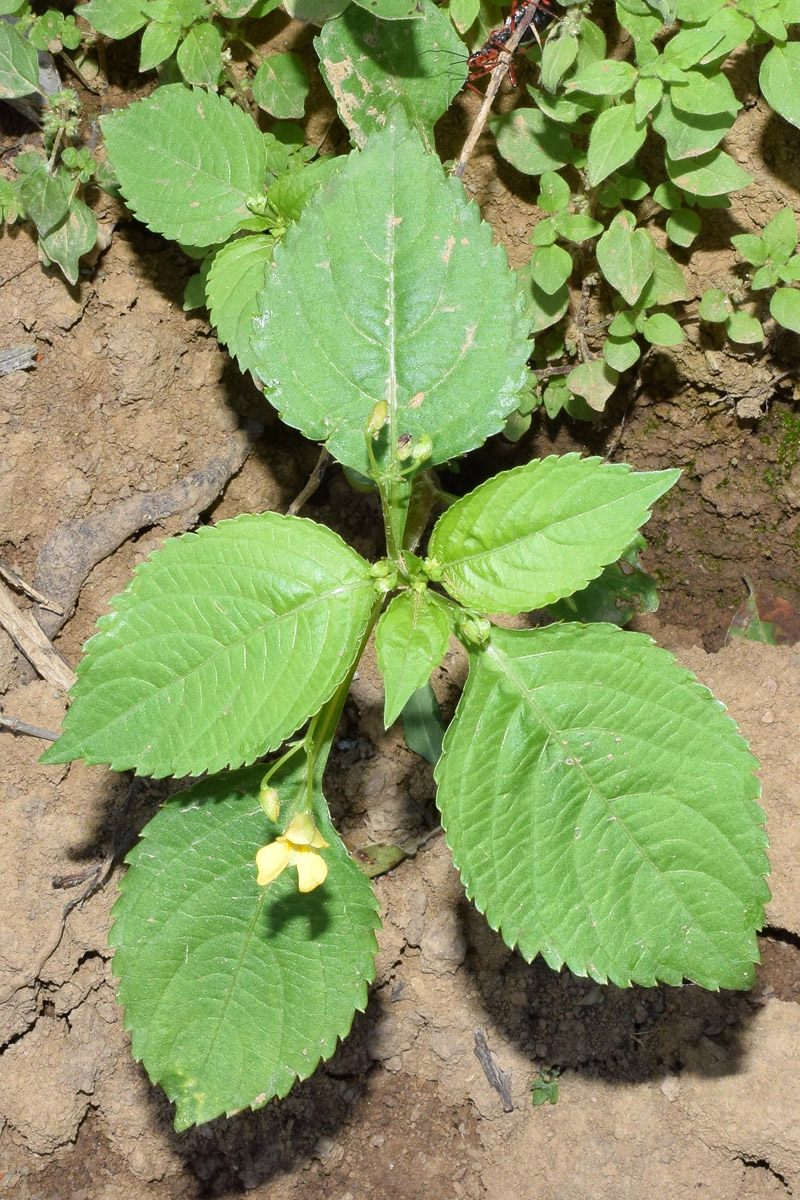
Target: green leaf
{"points": [[668, 196], [543, 310], [780, 235], [734, 30], [715, 306], [647, 95], [75, 235], [741, 327], [411, 639], [281, 86], [233, 991], [233, 9], [688, 135], [158, 42], [536, 533], [544, 233], [113, 18], [683, 226], [753, 249], [697, 12], [642, 29], [690, 46], [235, 281], [615, 138], [423, 725], [554, 192], [222, 645], [711, 174], [785, 308], [765, 277], [291, 192], [790, 271], [463, 13], [316, 12], [607, 816], [595, 381], [19, 63], [705, 92], [551, 267], [607, 78], [45, 197], [667, 284], [768, 19], [419, 309], [371, 65], [624, 324], [566, 110], [200, 55], [531, 142], [187, 161], [558, 55], [621, 353], [619, 592], [662, 330], [578, 227], [391, 10], [626, 256]]}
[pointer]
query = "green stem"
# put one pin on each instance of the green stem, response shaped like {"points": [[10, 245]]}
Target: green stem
{"points": [[319, 738]]}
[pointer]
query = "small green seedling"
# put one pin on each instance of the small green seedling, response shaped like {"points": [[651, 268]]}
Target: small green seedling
{"points": [[544, 1089], [599, 804]]}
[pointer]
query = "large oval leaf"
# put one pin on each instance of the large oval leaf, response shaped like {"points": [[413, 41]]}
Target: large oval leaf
{"points": [[371, 64], [536, 533], [187, 161], [389, 288], [605, 817], [232, 991], [224, 642]]}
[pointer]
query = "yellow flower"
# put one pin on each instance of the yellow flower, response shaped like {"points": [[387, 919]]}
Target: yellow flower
{"points": [[297, 847]]}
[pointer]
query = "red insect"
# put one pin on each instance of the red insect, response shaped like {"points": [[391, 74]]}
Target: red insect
{"points": [[484, 60]]}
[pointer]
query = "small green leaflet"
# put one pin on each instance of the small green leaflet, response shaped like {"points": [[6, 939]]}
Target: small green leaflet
{"points": [[371, 64], [423, 725], [607, 816], [281, 85], [200, 55], [266, 980], [291, 191], [418, 309], [615, 138], [392, 10], [626, 256], [71, 238], [711, 174], [531, 142], [222, 645], [114, 18], [779, 78], [411, 639], [534, 534], [45, 197], [233, 284], [595, 381], [785, 308], [187, 161]]}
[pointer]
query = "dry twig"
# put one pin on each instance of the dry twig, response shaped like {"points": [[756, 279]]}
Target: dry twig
{"points": [[504, 60]]}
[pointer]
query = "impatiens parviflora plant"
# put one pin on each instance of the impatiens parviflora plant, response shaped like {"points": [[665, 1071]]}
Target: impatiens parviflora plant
{"points": [[599, 803]]}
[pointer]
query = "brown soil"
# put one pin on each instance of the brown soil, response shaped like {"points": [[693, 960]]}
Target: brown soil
{"points": [[666, 1092]]}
